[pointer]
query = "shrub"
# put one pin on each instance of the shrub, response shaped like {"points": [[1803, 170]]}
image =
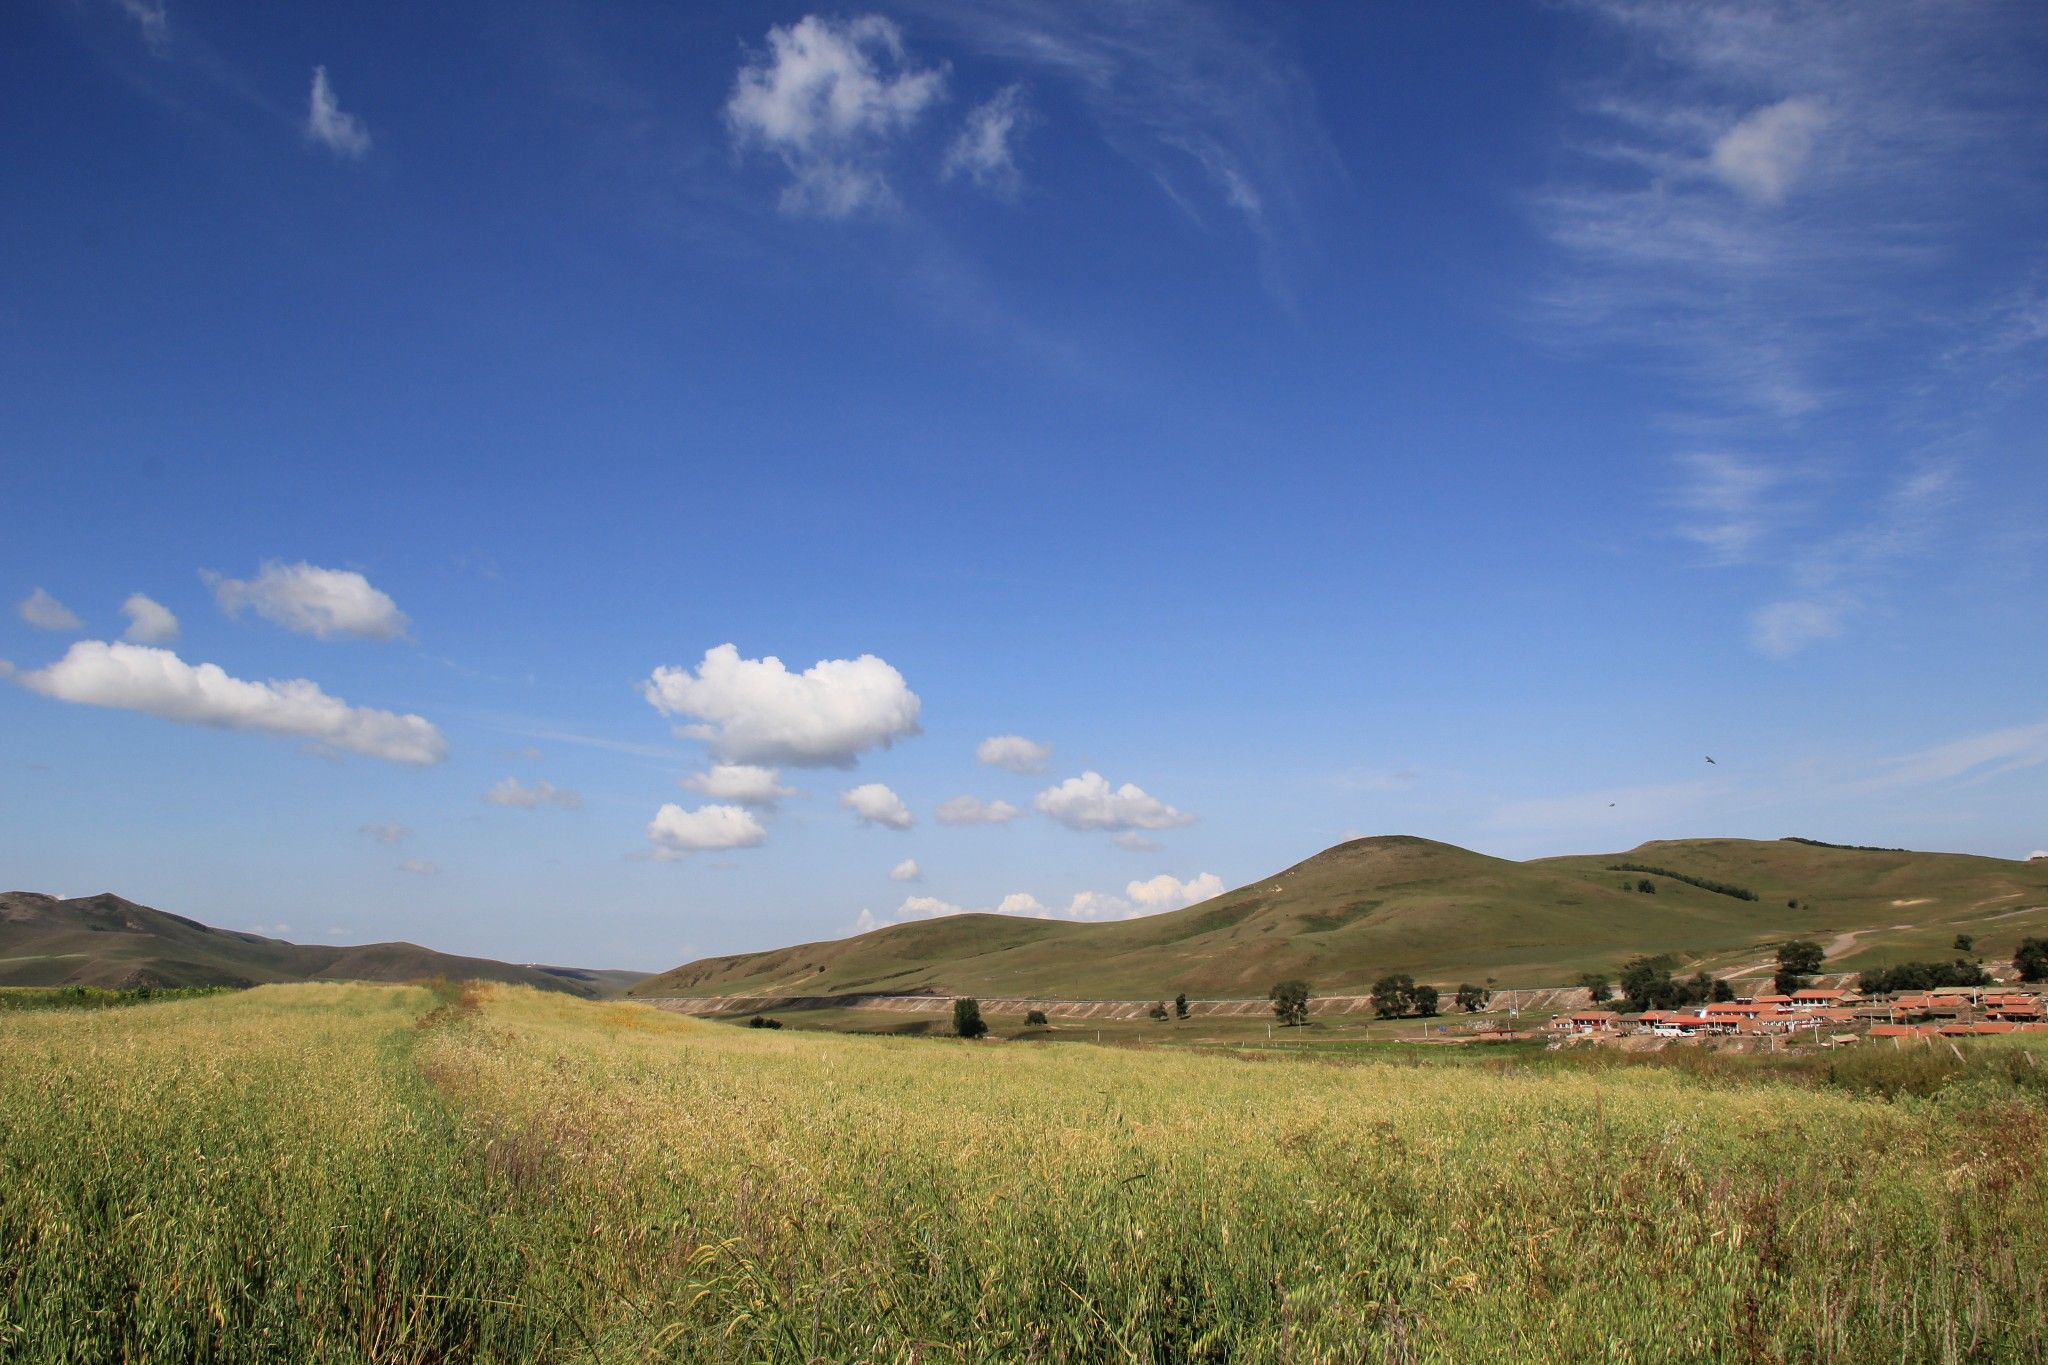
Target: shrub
{"points": [[763, 1021], [1158, 1010], [1741, 893], [1034, 1018], [1180, 1005]]}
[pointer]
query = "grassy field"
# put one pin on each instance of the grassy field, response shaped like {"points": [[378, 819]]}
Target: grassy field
{"points": [[1443, 914], [391, 1174]]}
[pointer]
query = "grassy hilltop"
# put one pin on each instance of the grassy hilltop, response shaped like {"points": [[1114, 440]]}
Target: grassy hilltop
{"points": [[107, 941], [360, 1173], [1438, 912]]}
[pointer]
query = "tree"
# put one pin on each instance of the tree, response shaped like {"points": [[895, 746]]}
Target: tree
{"points": [[1425, 1001], [967, 1020], [1393, 995], [2030, 959], [1471, 999], [1798, 960], [1180, 1005], [1596, 987], [1722, 992], [762, 1021], [1646, 983], [1290, 1001], [1158, 1010], [1646, 886], [1034, 1018], [1965, 942]]}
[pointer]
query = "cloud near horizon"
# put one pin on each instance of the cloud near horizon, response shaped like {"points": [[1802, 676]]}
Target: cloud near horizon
{"points": [[157, 682], [755, 711]]}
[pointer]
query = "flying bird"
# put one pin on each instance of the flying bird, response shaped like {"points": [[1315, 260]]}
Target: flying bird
{"points": [[1710, 759]]}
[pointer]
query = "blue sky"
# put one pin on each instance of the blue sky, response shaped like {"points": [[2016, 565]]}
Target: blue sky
{"points": [[1291, 422]]}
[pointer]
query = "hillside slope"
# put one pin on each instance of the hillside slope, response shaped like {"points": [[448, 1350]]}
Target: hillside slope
{"points": [[1446, 914], [107, 941]]}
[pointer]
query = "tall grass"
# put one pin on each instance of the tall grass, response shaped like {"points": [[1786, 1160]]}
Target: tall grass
{"points": [[356, 1173]]}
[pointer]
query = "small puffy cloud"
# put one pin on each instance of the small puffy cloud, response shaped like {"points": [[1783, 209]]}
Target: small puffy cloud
{"points": [[388, 833], [1021, 903], [1782, 629], [326, 123], [926, 907], [742, 783], [1133, 842], [677, 833], [827, 98], [1013, 753], [906, 871], [149, 622], [420, 867], [1098, 905], [972, 810], [757, 711], [158, 683], [45, 612], [1166, 892], [874, 804], [1088, 802], [985, 151], [1763, 156], [512, 792], [313, 601]]}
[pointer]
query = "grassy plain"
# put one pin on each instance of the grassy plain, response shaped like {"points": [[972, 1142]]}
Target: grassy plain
{"points": [[316, 1173]]}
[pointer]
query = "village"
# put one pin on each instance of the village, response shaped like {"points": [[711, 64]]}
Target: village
{"points": [[1830, 1017]]}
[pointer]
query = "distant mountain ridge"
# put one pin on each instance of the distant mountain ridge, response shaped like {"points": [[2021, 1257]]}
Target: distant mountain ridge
{"points": [[106, 940], [1399, 903]]}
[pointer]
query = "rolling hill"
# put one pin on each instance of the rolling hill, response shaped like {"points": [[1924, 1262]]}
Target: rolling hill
{"points": [[1444, 914], [107, 941]]}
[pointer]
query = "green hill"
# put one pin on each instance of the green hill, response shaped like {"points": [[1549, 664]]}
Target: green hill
{"points": [[1441, 913], [107, 941]]}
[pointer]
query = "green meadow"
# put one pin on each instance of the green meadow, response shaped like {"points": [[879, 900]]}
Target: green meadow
{"points": [[403, 1174]]}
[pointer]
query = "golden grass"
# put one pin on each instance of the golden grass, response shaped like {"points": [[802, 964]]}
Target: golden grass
{"points": [[304, 1173]]}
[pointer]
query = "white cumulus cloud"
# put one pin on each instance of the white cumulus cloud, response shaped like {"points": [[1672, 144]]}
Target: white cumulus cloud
{"points": [[1088, 802], [1763, 156], [159, 683], [972, 810], [906, 871], [149, 622], [985, 151], [757, 711], [45, 612], [329, 125], [312, 601], [1167, 892], [742, 783], [512, 792], [1013, 753], [827, 98], [677, 833], [875, 804], [1021, 903]]}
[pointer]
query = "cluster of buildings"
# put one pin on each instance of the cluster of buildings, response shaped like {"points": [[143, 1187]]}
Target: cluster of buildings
{"points": [[1951, 1011]]}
